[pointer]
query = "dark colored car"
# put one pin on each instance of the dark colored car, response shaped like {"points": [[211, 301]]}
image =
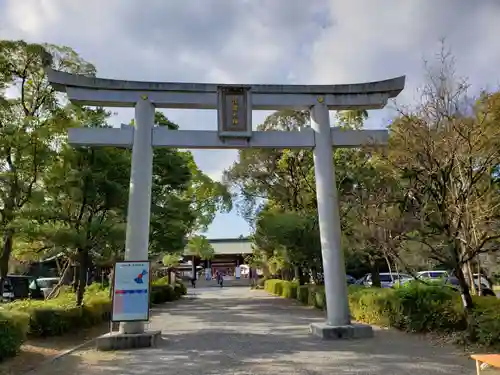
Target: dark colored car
{"points": [[17, 287], [350, 280], [485, 290]]}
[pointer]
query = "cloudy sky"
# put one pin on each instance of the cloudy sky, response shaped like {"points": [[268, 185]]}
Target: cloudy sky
{"points": [[262, 41]]}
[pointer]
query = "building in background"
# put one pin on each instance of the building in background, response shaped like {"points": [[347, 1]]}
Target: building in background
{"points": [[229, 256]]}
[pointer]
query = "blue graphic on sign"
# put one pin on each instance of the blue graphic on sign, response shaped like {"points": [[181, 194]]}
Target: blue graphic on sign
{"points": [[139, 277]]}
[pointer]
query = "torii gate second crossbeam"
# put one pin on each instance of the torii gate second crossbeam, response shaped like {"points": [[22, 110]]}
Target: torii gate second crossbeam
{"points": [[235, 104]]}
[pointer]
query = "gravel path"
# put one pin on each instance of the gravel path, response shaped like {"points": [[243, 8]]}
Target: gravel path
{"points": [[237, 331]]}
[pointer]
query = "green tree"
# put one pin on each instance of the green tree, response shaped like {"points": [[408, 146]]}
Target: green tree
{"points": [[352, 119], [199, 247], [83, 211], [184, 199], [284, 178], [171, 216], [279, 186], [207, 197], [446, 150], [292, 237], [171, 260], [31, 124], [374, 222]]}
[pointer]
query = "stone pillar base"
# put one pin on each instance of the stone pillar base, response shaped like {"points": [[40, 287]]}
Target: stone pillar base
{"points": [[120, 341], [351, 331]]}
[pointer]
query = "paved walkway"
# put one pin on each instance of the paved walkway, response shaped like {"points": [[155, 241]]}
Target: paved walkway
{"points": [[237, 331]]}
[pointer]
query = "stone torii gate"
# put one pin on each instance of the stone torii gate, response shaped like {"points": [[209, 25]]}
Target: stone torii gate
{"points": [[235, 104]]}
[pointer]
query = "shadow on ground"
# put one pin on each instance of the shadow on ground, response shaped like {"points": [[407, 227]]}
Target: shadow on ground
{"points": [[243, 332], [37, 351]]}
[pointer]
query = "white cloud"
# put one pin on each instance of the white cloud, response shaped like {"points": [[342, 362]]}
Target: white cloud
{"points": [[374, 40], [263, 41], [193, 40]]}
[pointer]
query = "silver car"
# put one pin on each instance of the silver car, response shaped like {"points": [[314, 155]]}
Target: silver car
{"points": [[45, 284], [387, 279]]}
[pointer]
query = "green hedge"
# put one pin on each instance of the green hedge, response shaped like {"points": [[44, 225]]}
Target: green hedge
{"points": [[60, 315], [414, 308], [13, 330], [162, 292]]}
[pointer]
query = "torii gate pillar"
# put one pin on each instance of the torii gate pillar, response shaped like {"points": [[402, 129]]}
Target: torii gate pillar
{"points": [[338, 324], [139, 201], [329, 220], [235, 104]]}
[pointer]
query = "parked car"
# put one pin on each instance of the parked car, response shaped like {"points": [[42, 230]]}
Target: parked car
{"points": [[485, 288], [434, 275], [44, 285], [350, 280], [387, 279], [484, 280], [16, 287]]}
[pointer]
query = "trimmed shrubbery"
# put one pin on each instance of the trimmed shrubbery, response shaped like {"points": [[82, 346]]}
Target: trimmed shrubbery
{"points": [[415, 307], [60, 315], [57, 316], [162, 292], [13, 330]]}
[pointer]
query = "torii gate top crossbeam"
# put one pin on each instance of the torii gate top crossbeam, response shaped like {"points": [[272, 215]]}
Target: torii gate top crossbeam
{"points": [[121, 93]]}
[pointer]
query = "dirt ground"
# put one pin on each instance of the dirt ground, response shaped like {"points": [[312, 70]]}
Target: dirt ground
{"points": [[34, 352]]}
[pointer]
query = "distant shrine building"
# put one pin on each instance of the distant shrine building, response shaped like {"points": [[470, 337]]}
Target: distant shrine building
{"points": [[229, 255]]}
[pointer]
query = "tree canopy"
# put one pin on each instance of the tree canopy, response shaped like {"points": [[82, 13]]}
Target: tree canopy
{"points": [[428, 199], [57, 200]]}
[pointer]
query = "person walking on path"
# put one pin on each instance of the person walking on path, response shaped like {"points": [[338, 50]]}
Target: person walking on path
{"points": [[250, 276], [220, 279]]}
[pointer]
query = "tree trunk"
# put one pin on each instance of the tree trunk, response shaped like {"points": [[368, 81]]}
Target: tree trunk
{"points": [[389, 266], [288, 273], [5, 257], [296, 272], [397, 272], [58, 265], [374, 264], [83, 257], [265, 269], [470, 274], [467, 302], [464, 289], [111, 282], [62, 280], [314, 273], [193, 267], [302, 277], [479, 284], [76, 277]]}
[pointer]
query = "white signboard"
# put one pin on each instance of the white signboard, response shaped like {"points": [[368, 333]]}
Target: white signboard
{"points": [[131, 291]]}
